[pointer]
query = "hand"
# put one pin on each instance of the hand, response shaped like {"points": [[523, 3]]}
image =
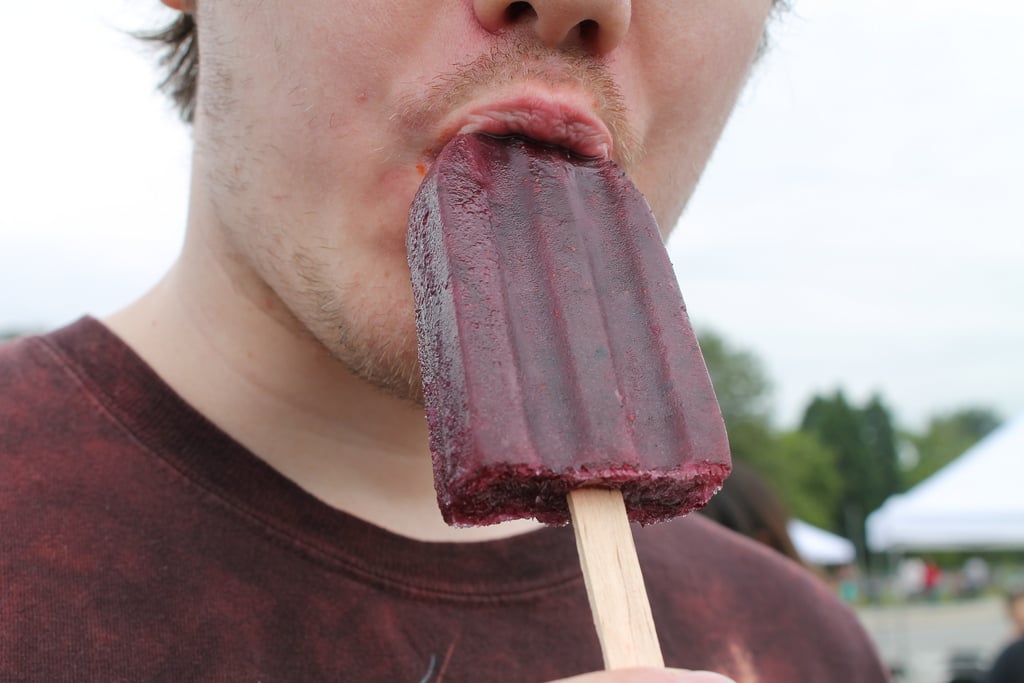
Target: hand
{"points": [[648, 676]]}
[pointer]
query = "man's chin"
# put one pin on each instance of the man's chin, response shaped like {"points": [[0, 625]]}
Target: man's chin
{"points": [[390, 365], [402, 382], [370, 330]]}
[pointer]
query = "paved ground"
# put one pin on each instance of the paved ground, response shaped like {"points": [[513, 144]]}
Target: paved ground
{"points": [[923, 637]]}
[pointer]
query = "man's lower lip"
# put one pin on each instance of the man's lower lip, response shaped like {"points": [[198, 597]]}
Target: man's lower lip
{"points": [[543, 120]]}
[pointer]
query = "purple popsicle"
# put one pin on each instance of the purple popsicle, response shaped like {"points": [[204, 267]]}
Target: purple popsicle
{"points": [[554, 344]]}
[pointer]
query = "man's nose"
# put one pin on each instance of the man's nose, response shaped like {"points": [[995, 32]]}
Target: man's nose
{"points": [[597, 26]]}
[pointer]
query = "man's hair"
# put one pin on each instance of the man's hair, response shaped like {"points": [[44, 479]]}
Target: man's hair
{"points": [[178, 47]]}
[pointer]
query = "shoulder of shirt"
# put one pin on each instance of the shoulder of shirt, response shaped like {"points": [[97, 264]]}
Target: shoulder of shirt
{"points": [[747, 592], [18, 350], [695, 539], [23, 362], [41, 383], [695, 549]]}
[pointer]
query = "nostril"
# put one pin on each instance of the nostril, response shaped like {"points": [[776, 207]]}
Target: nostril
{"points": [[517, 10], [588, 30], [596, 26]]}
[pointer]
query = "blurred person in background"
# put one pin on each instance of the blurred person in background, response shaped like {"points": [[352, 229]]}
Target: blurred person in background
{"points": [[910, 577], [1009, 665], [748, 505], [976, 577], [932, 580]]}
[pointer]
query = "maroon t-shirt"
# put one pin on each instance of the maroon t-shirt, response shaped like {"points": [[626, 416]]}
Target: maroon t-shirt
{"points": [[140, 543]]}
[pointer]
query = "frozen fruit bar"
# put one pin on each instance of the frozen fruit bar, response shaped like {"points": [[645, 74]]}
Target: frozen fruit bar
{"points": [[554, 344]]}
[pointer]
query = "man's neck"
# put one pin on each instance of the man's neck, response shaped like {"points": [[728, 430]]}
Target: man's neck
{"points": [[255, 374]]}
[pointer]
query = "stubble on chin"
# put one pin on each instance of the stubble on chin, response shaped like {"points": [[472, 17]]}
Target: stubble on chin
{"points": [[369, 326], [358, 324]]}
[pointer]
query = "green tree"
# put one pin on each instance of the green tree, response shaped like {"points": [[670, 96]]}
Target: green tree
{"points": [[803, 472], [743, 389], [881, 444], [744, 394], [800, 468], [946, 438], [864, 442]]}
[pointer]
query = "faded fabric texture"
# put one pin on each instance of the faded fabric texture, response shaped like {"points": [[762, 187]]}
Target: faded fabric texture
{"points": [[140, 543]]}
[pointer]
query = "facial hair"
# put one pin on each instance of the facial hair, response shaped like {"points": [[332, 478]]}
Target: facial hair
{"points": [[385, 354]]}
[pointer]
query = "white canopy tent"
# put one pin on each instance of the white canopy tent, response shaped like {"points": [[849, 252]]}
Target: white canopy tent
{"points": [[974, 503], [817, 546]]}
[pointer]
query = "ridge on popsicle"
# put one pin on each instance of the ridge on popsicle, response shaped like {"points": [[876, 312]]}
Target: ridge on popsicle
{"points": [[554, 344]]}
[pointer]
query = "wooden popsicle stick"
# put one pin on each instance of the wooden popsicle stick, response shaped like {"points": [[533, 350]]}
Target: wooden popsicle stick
{"points": [[615, 586]]}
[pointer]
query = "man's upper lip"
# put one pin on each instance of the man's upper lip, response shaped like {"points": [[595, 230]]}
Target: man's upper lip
{"points": [[548, 120]]}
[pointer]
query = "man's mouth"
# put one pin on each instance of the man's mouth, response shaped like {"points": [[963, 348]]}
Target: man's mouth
{"points": [[558, 122]]}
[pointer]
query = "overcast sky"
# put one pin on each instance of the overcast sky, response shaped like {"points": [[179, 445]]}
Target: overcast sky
{"points": [[859, 227]]}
